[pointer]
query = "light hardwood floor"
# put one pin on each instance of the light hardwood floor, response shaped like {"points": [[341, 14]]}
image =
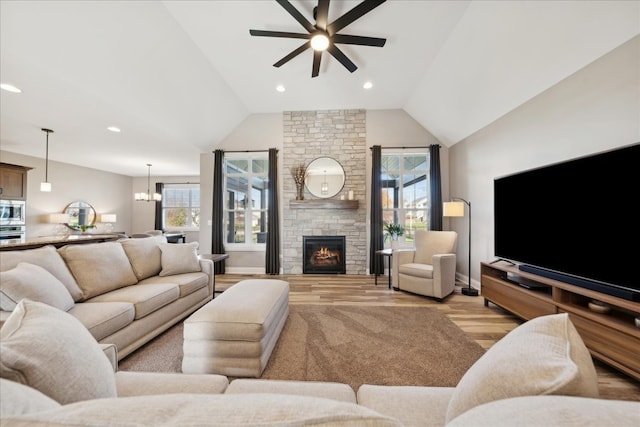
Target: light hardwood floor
{"points": [[485, 325]]}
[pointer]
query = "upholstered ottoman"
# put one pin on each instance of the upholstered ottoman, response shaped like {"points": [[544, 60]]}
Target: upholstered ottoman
{"points": [[235, 333]]}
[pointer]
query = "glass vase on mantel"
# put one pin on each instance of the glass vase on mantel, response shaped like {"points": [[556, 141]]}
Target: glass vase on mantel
{"points": [[299, 191]]}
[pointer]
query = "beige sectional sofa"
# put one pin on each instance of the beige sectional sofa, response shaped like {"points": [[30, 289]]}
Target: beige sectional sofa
{"points": [[124, 292], [540, 374]]}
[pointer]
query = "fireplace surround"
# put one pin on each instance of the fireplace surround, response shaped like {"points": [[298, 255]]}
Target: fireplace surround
{"points": [[324, 255]]}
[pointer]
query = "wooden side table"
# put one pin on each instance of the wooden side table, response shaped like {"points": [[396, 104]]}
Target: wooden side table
{"points": [[389, 254], [215, 258]]}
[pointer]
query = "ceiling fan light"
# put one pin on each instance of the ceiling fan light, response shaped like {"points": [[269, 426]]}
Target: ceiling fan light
{"points": [[320, 42]]}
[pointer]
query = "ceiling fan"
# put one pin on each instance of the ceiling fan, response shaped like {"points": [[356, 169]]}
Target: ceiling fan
{"points": [[323, 35]]}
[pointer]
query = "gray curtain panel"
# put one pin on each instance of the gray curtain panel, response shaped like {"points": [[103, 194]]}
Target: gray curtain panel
{"points": [[217, 244], [158, 215], [272, 256], [376, 263], [435, 220]]}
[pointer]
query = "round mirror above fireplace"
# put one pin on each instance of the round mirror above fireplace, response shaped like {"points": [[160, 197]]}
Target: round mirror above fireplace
{"points": [[325, 177]]}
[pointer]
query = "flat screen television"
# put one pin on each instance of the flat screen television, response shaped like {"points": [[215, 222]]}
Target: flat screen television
{"points": [[575, 221]]}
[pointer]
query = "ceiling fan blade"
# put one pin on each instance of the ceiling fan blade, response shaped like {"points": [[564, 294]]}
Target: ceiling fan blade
{"points": [[264, 33], [317, 54], [337, 53], [297, 15], [322, 12], [359, 40], [293, 54], [355, 13]]}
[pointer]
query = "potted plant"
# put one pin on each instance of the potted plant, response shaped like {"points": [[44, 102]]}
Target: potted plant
{"points": [[85, 228], [393, 231]]}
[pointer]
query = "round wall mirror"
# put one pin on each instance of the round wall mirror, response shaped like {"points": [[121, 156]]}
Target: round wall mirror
{"points": [[325, 177], [81, 215]]}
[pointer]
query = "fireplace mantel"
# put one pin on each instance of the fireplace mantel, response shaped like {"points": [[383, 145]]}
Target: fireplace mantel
{"points": [[323, 204]]}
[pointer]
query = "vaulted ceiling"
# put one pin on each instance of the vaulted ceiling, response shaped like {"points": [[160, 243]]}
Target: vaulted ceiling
{"points": [[178, 76]]}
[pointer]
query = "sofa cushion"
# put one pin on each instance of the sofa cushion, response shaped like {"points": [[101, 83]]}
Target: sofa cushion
{"points": [[542, 356], [430, 243], [413, 405], [19, 399], [46, 257], [417, 270], [178, 258], [324, 389], [536, 411], [212, 410], [144, 255], [35, 283], [145, 298], [188, 282], [50, 350], [99, 267], [104, 318], [146, 383]]}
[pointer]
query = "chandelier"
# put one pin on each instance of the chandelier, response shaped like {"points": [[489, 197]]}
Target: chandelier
{"points": [[148, 196]]}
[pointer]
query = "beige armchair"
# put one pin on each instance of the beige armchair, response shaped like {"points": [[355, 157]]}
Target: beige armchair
{"points": [[430, 268]]}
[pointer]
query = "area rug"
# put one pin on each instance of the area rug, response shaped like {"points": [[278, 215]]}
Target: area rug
{"points": [[349, 344]]}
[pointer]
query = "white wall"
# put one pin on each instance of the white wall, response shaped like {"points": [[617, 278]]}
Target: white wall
{"points": [[106, 192], [594, 110]]}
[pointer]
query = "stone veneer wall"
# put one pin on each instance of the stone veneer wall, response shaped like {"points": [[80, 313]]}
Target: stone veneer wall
{"points": [[340, 134]]}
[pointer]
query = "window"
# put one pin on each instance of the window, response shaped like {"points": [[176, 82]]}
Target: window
{"points": [[181, 206], [405, 191], [246, 199]]}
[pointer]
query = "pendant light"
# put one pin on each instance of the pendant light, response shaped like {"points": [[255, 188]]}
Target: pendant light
{"points": [[46, 185], [148, 196]]}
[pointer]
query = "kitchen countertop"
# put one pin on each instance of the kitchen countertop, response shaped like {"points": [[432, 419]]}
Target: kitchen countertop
{"points": [[57, 241]]}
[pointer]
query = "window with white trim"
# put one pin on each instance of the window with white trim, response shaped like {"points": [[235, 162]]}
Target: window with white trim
{"points": [[246, 199], [406, 191], [181, 206]]}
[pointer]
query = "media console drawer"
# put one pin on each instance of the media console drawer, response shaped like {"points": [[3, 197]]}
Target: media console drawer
{"points": [[608, 344], [519, 301]]}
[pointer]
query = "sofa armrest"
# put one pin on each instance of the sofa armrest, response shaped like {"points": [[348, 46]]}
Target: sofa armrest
{"points": [[207, 267], [148, 383], [111, 351], [444, 274]]}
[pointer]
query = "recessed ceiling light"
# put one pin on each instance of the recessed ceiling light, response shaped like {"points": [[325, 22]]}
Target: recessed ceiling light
{"points": [[367, 85], [10, 88], [280, 88], [114, 129]]}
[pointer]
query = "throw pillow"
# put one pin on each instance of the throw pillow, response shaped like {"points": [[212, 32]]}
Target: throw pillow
{"points": [[178, 258], [544, 356], [51, 351], [35, 283], [99, 267], [18, 399], [144, 255], [46, 257]]}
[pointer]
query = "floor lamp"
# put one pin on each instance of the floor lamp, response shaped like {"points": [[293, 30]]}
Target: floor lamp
{"points": [[456, 209]]}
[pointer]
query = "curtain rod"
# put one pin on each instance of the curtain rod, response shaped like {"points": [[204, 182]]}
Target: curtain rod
{"points": [[404, 148], [244, 151]]}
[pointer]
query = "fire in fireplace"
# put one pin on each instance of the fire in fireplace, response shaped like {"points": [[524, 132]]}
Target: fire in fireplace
{"points": [[323, 254]]}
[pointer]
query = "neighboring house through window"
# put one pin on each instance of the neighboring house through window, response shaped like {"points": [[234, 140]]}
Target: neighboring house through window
{"points": [[246, 199], [405, 191], [181, 207]]}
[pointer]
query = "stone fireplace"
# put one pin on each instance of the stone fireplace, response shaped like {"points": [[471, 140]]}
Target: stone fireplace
{"points": [[341, 135], [323, 254]]}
